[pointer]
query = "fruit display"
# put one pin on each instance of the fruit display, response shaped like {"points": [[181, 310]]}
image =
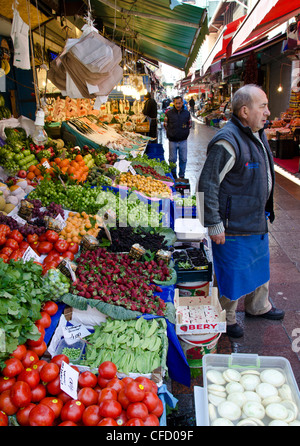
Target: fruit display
{"points": [[146, 185], [134, 346], [121, 280], [11, 196], [79, 224]]}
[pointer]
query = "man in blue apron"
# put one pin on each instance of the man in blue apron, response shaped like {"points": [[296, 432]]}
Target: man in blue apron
{"points": [[238, 184]]}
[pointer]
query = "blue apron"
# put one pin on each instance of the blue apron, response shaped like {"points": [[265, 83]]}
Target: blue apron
{"points": [[241, 264]]}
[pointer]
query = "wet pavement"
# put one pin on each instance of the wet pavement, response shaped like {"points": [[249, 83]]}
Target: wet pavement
{"points": [[262, 337]]}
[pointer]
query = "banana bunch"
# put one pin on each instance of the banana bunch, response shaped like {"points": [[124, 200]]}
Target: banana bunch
{"points": [[5, 66], [135, 346]]}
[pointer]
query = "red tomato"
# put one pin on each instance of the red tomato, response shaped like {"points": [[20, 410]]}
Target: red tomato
{"points": [[16, 235], [122, 419], [45, 320], [30, 376], [72, 411], [58, 359], [23, 245], [151, 400], [38, 393], [123, 400], [30, 359], [127, 379], [16, 255], [64, 396], [39, 364], [110, 409], [116, 384], [107, 422], [51, 236], [31, 342], [54, 403], [13, 367], [6, 383], [11, 243], [53, 256], [69, 255], [49, 265], [31, 238], [102, 382], [146, 383], [134, 391], [44, 247], [4, 229], [107, 394], [135, 422], [107, 370], [20, 352], [158, 411], [3, 419], [4, 257], [50, 307], [67, 423], [91, 416], [41, 415], [34, 246], [20, 394], [137, 410], [7, 251], [87, 379], [39, 349], [151, 420], [42, 238], [49, 372], [6, 403], [2, 239], [53, 387], [61, 245], [22, 415], [88, 396], [73, 247]]}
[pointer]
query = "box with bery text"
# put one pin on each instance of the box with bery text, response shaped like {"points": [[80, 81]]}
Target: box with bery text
{"points": [[199, 314]]}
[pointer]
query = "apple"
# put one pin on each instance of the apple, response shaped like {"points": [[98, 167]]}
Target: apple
{"points": [[22, 174]]}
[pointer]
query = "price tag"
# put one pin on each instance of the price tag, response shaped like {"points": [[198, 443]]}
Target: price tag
{"points": [[68, 380], [61, 221], [72, 333], [121, 157], [18, 219], [30, 254], [131, 169], [46, 164], [71, 271]]}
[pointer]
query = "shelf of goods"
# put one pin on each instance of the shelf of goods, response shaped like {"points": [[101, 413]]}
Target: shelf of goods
{"points": [[84, 258]]}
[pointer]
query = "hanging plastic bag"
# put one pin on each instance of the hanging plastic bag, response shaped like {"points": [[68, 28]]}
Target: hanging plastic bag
{"points": [[19, 35]]}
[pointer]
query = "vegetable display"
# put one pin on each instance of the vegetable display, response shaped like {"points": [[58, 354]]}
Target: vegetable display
{"points": [[135, 346], [31, 396]]}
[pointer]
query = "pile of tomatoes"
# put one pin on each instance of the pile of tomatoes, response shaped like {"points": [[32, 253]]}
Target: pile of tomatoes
{"points": [[53, 247], [30, 391], [12, 244]]}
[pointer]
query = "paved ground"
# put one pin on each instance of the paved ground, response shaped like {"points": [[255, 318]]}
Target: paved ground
{"points": [[262, 337]]}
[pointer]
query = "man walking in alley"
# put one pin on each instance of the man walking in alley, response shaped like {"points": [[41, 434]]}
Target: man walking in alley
{"points": [[177, 124], [238, 184]]}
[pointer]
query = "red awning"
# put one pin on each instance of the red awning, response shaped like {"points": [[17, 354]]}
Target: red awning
{"points": [[263, 17], [219, 49]]}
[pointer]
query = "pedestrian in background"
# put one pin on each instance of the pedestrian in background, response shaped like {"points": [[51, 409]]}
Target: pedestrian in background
{"points": [[238, 184], [150, 110], [177, 123], [192, 105]]}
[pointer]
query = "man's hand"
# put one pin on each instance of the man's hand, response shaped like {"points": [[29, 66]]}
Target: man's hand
{"points": [[219, 239]]}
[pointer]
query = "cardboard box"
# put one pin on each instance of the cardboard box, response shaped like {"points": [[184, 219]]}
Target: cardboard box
{"points": [[203, 314]]}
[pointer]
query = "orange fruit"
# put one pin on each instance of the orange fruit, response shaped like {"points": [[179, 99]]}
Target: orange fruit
{"points": [[79, 158], [30, 175], [31, 168]]}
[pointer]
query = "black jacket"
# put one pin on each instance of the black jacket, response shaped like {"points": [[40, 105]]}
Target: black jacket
{"points": [[178, 124]]}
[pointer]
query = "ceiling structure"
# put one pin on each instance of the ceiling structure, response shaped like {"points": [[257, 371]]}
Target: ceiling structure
{"points": [[158, 30]]}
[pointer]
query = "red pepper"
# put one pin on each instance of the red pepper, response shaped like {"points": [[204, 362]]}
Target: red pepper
{"points": [[4, 229], [7, 251], [11, 243], [16, 255]]}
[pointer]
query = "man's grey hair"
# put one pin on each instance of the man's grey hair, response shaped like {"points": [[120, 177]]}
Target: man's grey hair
{"points": [[243, 96]]}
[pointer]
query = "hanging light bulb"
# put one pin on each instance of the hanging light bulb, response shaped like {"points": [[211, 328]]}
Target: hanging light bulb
{"points": [[39, 136], [279, 89]]}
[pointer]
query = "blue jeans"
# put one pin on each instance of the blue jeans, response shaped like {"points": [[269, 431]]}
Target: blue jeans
{"points": [[181, 146]]}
